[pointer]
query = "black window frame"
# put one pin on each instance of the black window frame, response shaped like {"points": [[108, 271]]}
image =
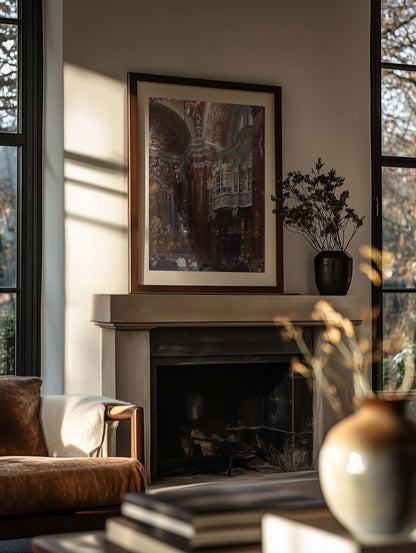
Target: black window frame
{"points": [[28, 139], [378, 162]]}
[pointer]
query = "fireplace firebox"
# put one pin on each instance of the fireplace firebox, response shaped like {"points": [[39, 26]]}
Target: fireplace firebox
{"points": [[224, 401]]}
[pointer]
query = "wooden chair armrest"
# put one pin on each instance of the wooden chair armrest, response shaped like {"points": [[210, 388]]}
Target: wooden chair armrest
{"points": [[135, 415]]}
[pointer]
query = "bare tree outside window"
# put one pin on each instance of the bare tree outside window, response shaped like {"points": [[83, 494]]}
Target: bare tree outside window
{"points": [[398, 93], [8, 183], [8, 77], [398, 140], [8, 215], [398, 39], [398, 33], [7, 333], [8, 8]]}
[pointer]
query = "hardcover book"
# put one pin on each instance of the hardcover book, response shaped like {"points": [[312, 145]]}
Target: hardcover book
{"points": [[141, 538]]}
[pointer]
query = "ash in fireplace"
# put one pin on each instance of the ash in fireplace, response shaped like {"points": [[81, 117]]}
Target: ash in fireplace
{"points": [[210, 437]]}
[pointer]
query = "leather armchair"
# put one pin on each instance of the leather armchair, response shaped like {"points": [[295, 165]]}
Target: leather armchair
{"points": [[40, 494]]}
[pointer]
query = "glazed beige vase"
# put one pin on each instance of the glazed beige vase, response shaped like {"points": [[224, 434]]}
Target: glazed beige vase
{"points": [[367, 469]]}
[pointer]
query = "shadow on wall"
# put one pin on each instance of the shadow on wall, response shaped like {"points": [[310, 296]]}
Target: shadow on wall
{"points": [[76, 188], [104, 166]]}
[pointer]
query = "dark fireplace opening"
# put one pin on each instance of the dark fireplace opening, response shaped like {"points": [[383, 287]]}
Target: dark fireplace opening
{"points": [[230, 418]]}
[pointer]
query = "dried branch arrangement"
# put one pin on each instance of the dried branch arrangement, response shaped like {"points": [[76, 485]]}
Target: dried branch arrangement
{"points": [[314, 206]]}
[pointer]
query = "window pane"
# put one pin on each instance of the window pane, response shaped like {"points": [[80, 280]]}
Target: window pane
{"points": [[8, 8], [398, 31], [399, 330], [399, 225], [8, 215], [7, 333], [398, 98], [8, 78]]}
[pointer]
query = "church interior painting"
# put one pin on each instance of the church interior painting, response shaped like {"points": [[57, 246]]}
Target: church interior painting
{"points": [[206, 186]]}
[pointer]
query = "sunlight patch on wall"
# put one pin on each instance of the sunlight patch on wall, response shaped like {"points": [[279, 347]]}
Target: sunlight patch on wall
{"points": [[96, 221]]}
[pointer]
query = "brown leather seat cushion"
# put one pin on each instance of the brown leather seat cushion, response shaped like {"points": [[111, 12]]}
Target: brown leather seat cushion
{"points": [[36, 484]]}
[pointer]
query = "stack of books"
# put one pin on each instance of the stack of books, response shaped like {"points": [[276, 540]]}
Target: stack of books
{"points": [[202, 517]]}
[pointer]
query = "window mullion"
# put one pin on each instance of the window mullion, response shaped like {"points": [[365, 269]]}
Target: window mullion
{"points": [[11, 139], [376, 219], [28, 308], [398, 66], [399, 290], [397, 161]]}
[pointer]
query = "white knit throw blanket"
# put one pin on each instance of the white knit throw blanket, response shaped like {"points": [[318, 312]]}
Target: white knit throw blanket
{"points": [[75, 425]]}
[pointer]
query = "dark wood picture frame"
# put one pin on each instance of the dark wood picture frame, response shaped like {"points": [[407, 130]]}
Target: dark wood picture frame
{"points": [[138, 142]]}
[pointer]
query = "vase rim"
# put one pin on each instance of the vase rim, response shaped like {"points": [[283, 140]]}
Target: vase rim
{"points": [[394, 396], [387, 396], [392, 400], [333, 251]]}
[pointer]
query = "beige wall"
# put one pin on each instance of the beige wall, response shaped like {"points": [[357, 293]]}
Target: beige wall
{"points": [[53, 249], [318, 52]]}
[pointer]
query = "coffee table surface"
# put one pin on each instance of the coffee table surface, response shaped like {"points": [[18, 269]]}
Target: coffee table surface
{"points": [[81, 542], [94, 542]]}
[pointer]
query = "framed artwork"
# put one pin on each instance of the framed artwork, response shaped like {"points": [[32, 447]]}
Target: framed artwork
{"points": [[204, 160]]}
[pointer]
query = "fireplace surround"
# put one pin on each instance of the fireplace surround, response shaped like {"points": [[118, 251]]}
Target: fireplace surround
{"points": [[218, 355]]}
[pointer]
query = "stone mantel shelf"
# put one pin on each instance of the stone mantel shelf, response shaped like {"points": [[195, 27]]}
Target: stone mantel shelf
{"points": [[145, 311]]}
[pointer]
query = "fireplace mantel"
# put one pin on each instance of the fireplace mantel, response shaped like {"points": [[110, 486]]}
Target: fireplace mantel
{"points": [[146, 311], [126, 322]]}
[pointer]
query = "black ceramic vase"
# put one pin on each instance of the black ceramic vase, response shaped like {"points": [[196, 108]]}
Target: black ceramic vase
{"points": [[333, 272]]}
